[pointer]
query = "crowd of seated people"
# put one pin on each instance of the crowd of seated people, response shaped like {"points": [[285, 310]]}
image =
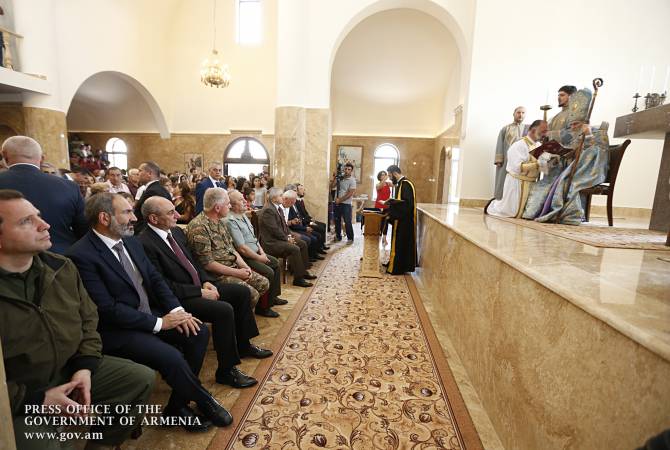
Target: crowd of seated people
{"points": [[146, 284]]}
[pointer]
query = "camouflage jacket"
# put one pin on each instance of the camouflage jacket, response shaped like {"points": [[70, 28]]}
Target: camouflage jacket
{"points": [[210, 241]]}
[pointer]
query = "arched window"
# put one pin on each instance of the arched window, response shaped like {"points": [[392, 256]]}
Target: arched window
{"points": [[385, 155], [244, 156], [117, 153]]}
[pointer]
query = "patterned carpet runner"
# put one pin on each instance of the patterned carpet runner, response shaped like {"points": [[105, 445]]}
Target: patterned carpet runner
{"points": [[355, 369]]}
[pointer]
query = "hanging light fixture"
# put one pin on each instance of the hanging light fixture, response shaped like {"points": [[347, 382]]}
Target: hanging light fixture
{"points": [[213, 72]]}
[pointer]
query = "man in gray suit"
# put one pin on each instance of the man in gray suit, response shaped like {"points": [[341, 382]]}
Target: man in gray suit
{"points": [[278, 241]]}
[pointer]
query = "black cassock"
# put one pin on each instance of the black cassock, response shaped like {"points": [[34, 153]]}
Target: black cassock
{"points": [[402, 215]]}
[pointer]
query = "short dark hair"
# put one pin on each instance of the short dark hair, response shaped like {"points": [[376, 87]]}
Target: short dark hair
{"points": [[114, 168], [536, 123], [9, 194], [349, 165], [102, 202], [393, 169], [153, 168], [568, 89]]}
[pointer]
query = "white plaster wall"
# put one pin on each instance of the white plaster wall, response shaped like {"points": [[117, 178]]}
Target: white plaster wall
{"points": [[323, 24], [390, 76], [523, 49]]}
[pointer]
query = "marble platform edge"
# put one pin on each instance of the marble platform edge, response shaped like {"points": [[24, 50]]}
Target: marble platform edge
{"points": [[633, 332]]}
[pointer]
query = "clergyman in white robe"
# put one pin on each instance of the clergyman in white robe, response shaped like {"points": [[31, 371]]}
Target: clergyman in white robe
{"points": [[522, 171]]}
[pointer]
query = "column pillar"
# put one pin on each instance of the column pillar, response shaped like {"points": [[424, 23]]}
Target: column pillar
{"points": [[302, 147]]}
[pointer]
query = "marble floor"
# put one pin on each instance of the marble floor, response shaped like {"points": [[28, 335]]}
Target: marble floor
{"points": [[627, 289]]}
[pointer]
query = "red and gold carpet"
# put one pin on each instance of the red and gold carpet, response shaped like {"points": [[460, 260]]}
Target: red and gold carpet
{"points": [[358, 366]]}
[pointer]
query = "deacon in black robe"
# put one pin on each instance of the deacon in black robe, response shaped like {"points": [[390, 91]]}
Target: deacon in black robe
{"points": [[402, 215]]}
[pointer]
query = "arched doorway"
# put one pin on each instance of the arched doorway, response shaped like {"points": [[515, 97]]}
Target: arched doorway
{"points": [[243, 156]]}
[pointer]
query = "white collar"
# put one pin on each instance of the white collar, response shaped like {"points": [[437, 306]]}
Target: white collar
{"points": [[162, 233], [213, 181], [109, 242]]}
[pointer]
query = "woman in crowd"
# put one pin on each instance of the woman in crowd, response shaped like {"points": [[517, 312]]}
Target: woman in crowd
{"points": [[184, 202], [259, 193], [383, 188]]}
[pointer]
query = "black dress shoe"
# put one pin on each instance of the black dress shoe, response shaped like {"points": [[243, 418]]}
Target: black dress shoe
{"points": [[235, 377], [266, 312], [322, 252], [216, 413], [325, 247], [193, 423], [302, 283], [309, 276], [255, 352], [319, 257], [280, 301]]}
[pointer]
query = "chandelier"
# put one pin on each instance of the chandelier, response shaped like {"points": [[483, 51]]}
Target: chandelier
{"points": [[213, 73]]}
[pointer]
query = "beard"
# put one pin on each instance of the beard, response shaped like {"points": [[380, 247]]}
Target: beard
{"points": [[126, 230]]}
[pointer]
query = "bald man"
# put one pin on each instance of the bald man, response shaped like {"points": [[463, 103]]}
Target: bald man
{"points": [[58, 200]]}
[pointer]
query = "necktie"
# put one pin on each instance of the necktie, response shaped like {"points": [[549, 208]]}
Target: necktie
{"points": [[135, 277], [283, 220], [183, 260]]}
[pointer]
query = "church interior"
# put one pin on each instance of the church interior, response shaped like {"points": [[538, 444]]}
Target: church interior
{"points": [[506, 331]]}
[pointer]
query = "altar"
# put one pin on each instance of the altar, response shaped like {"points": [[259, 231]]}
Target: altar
{"points": [[652, 123], [566, 344]]}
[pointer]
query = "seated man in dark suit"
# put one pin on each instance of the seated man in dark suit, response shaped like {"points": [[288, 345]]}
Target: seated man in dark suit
{"points": [[301, 225], [150, 175], [51, 349], [140, 318], [307, 218], [58, 200], [278, 241], [233, 322], [211, 181], [295, 225]]}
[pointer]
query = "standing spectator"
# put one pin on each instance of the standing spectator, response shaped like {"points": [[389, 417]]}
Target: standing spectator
{"points": [[115, 181], [150, 175], [59, 201], [346, 188], [213, 180], [260, 191], [133, 181], [184, 203]]}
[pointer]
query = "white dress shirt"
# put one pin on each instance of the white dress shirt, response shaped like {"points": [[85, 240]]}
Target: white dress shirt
{"points": [[110, 243]]}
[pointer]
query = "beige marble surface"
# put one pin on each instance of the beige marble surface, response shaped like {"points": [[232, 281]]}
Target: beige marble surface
{"points": [[627, 289], [48, 127], [302, 138], [549, 374]]}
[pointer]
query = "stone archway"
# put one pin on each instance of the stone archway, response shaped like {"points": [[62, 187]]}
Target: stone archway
{"points": [[111, 96]]}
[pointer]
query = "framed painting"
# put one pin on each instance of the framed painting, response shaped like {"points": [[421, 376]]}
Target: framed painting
{"points": [[351, 154], [193, 160]]}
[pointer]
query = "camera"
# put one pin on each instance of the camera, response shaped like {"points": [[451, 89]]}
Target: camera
{"points": [[339, 174]]}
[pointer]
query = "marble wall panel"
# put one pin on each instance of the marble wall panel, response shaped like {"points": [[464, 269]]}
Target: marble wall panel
{"points": [[290, 142], [49, 128], [417, 161], [169, 153], [317, 148], [549, 375]]}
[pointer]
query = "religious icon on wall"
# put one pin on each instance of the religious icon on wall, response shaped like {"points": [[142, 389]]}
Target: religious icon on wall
{"points": [[193, 161], [351, 154]]}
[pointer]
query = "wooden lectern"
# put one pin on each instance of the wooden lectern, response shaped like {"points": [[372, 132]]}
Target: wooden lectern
{"points": [[371, 233]]}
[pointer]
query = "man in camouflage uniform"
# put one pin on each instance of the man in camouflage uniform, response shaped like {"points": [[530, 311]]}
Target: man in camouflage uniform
{"points": [[212, 245]]}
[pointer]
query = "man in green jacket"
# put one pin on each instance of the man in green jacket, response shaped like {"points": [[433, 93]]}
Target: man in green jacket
{"points": [[56, 374]]}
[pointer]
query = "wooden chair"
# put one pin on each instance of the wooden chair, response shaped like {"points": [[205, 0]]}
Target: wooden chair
{"points": [[607, 188]]}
